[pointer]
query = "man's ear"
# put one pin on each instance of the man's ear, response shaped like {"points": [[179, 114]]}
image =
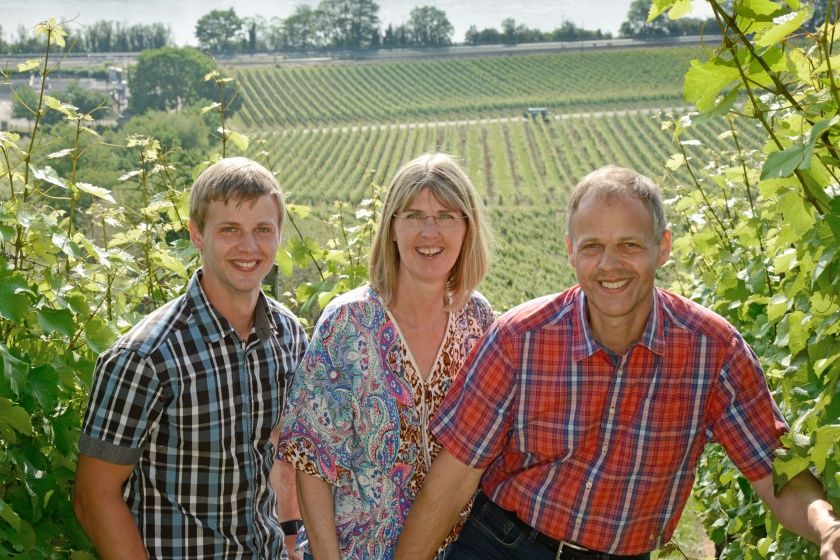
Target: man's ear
{"points": [[665, 247], [195, 235], [570, 250]]}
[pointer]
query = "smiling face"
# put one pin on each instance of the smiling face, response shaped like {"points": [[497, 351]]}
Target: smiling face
{"points": [[615, 254], [427, 252], [237, 244]]}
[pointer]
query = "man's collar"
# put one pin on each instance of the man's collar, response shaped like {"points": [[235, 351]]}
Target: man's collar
{"points": [[213, 325], [584, 343]]}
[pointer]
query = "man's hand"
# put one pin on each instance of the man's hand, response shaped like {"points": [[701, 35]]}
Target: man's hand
{"points": [[801, 507], [289, 544], [830, 543]]}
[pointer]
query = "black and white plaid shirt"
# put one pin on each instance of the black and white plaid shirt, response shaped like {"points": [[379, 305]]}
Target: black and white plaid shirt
{"points": [[184, 399]]}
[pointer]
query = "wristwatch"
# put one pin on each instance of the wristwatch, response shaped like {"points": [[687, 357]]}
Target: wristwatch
{"points": [[291, 527]]}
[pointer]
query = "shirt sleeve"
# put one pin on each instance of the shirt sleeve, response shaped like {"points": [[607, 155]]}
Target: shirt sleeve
{"points": [[317, 425], [746, 420], [473, 423], [125, 406]]}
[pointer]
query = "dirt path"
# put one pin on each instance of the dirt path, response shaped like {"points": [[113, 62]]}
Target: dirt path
{"points": [[470, 122]]}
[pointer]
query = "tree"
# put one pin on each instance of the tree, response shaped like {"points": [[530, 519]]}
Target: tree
{"points": [[637, 24], [215, 30], [85, 100], [169, 78], [349, 23], [300, 30], [429, 27]]}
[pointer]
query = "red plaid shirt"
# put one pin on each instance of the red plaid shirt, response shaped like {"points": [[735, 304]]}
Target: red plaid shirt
{"points": [[597, 449]]}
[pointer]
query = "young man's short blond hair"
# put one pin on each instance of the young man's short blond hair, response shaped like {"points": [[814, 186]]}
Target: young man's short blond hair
{"points": [[237, 178], [447, 182]]}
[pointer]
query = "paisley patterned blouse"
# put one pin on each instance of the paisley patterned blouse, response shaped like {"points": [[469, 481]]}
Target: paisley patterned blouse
{"points": [[358, 414]]}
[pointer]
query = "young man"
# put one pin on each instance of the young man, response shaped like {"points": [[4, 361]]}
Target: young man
{"points": [[176, 455], [584, 414]]}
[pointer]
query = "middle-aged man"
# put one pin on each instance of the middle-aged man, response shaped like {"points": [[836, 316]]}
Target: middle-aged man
{"points": [[583, 414], [177, 450]]}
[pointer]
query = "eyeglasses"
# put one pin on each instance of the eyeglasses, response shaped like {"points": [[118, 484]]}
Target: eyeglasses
{"points": [[444, 220]]}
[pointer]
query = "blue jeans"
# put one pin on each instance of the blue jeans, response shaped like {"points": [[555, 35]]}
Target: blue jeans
{"points": [[489, 534]]}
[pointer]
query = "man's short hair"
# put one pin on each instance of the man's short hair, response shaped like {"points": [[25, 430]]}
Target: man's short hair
{"points": [[236, 178], [448, 183], [612, 181]]}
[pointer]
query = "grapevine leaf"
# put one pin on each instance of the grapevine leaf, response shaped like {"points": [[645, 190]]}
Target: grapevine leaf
{"points": [[14, 303], [30, 64], [44, 385], [14, 417], [14, 369], [98, 192], [48, 175], [240, 140], [284, 262], [783, 163], [824, 441], [784, 26], [703, 82], [210, 107], [9, 516], [56, 320], [797, 331]]}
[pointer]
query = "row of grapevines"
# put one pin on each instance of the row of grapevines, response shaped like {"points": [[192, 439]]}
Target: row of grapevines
{"points": [[459, 88], [511, 163]]}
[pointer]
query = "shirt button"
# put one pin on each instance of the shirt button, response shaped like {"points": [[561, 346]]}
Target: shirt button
{"points": [[589, 484], [619, 373], [604, 448], [612, 410]]}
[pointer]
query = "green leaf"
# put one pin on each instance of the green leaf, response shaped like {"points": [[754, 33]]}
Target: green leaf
{"points": [[14, 303], [99, 335], [14, 369], [680, 9], [57, 320], [14, 417], [784, 26], [98, 192], [797, 215], [9, 516], [240, 140], [210, 107], [703, 82], [798, 332], [284, 262], [784, 162], [30, 64], [44, 385], [824, 441]]}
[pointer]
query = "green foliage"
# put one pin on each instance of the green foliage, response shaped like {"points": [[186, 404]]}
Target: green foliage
{"points": [[216, 30], [429, 27], [169, 78], [71, 281], [760, 243]]}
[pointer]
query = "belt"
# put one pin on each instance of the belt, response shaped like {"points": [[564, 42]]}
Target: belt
{"points": [[563, 550]]}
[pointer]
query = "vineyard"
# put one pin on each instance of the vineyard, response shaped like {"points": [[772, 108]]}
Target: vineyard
{"points": [[522, 169], [457, 88], [93, 225]]}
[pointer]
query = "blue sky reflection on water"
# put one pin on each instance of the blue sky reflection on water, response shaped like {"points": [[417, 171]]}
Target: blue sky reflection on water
{"points": [[606, 15]]}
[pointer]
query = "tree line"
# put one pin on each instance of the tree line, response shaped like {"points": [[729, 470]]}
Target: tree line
{"points": [[355, 24]]}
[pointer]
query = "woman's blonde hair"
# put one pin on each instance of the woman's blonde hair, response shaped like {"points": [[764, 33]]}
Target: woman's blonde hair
{"points": [[447, 182]]}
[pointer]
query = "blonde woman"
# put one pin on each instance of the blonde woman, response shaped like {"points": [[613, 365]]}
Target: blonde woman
{"points": [[380, 361]]}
